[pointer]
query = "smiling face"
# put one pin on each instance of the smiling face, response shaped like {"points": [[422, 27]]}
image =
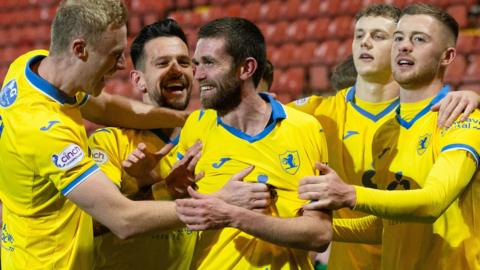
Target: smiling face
{"points": [[217, 76], [104, 59], [167, 73], [420, 42], [371, 46]]}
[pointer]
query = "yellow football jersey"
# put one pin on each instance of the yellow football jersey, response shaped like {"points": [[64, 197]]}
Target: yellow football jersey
{"points": [[43, 156], [156, 250], [284, 152], [413, 147], [350, 126]]}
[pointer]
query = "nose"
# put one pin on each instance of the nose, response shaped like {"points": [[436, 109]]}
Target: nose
{"points": [[365, 42], [404, 45], [175, 68], [199, 73]]}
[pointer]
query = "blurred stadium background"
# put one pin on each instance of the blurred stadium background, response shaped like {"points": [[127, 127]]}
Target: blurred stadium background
{"points": [[305, 38]]}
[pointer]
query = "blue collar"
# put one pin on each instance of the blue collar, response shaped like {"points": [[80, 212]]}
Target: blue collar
{"points": [[278, 113], [42, 85], [406, 124], [350, 97]]}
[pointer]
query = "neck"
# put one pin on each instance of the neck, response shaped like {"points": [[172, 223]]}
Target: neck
{"points": [[251, 115], [410, 94], [376, 91], [58, 73]]}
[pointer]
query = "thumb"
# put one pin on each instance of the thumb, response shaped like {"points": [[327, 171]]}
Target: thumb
{"points": [[436, 107], [242, 174], [164, 151], [323, 168], [196, 195]]}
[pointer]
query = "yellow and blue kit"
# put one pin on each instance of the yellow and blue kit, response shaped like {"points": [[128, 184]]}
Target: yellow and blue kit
{"points": [[43, 156], [156, 250], [350, 126], [430, 211], [284, 152]]}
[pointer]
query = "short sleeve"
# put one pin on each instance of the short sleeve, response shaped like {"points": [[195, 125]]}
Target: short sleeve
{"points": [[307, 105]]}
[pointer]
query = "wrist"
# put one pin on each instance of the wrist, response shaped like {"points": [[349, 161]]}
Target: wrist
{"points": [[351, 200]]}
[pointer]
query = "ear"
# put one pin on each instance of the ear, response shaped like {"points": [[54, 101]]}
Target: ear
{"points": [[448, 56], [248, 68], [79, 49], [137, 81]]}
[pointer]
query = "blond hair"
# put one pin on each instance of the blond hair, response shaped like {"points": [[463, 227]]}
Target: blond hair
{"points": [[87, 19]]}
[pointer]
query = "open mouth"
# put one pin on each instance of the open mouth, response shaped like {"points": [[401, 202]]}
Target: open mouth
{"points": [[175, 86], [405, 62], [204, 88]]}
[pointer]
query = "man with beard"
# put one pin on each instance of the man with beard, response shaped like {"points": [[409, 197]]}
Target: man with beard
{"points": [[164, 74], [241, 128], [429, 174]]}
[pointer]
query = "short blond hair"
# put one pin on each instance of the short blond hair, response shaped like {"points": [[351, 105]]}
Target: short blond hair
{"points": [[87, 19]]}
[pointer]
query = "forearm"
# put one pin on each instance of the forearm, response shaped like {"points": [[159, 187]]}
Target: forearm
{"points": [[312, 231], [114, 110], [366, 230], [447, 179], [125, 218]]}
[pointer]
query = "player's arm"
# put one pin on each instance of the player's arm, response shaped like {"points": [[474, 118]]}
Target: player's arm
{"points": [[114, 110], [311, 231], [448, 177], [366, 230], [101, 199]]}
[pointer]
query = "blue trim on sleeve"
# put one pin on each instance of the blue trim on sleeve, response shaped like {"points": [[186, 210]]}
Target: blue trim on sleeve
{"points": [[350, 97], [278, 113], [82, 177], [44, 86], [466, 147], [179, 156], [408, 124]]}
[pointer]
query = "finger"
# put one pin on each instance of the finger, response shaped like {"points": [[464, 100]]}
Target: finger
{"points": [[164, 151], [445, 113], [323, 168], [186, 203], [193, 162], [456, 113], [126, 164], [261, 195], [194, 149], [310, 196], [141, 146], [199, 176], [435, 107], [132, 158], [470, 108], [315, 205], [138, 153], [242, 174], [260, 204], [197, 227], [312, 180], [196, 195], [257, 187]]}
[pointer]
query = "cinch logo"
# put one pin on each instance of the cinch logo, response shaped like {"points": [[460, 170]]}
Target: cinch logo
{"points": [[8, 95], [290, 162], [99, 156], [69, 157], [7, 239]]}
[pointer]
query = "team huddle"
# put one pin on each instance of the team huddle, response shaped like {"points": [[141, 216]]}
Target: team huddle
{"points": [[385, 170]]}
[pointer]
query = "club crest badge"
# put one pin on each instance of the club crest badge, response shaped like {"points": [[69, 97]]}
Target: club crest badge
{"points": [[290, 162]]}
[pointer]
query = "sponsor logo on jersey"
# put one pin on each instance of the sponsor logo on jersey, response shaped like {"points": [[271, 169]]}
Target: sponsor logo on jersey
{"points": [[9, 93], [49, 125], [220, 162], [99, 156], [69, 157], [7, 239], [423, 143], [290, 162]]}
